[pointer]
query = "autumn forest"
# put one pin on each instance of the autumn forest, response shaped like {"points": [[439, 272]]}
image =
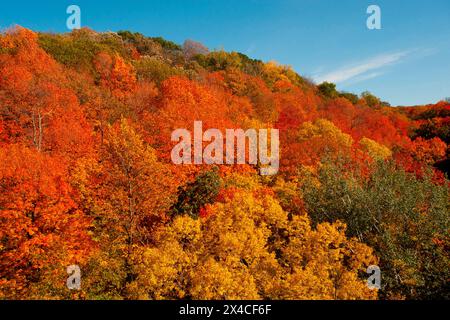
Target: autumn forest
{"points": [[86, 178]]}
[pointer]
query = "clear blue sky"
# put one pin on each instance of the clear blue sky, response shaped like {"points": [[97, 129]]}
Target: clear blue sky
{"points": [[407, 62]]}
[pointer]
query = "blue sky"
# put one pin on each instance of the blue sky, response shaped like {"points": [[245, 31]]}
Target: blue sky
{"points": [[407, 62]]}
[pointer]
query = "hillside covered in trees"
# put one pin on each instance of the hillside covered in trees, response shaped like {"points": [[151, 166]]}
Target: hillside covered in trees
{"points": [[86, 178]]}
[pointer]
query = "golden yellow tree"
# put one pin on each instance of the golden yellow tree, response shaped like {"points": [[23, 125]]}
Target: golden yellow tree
{"points": [[129, 193], [375, 150], [249, 248]]}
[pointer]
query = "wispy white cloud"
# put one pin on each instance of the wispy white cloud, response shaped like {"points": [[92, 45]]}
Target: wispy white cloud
{"points": [[362, 78], [363, 70]]}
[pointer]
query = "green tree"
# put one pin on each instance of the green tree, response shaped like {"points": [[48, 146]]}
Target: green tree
{"points": [[371, 100], [405, 219], [328, 90], [353, 98], [195, 195]]}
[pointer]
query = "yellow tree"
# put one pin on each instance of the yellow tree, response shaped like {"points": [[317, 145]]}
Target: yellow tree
{"points": [[375, 150], [314, 141], [324, 264], [248, 247], [128, 192]]}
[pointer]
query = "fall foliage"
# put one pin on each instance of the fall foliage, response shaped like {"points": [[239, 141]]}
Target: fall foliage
{"points": [[86, 178]]}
